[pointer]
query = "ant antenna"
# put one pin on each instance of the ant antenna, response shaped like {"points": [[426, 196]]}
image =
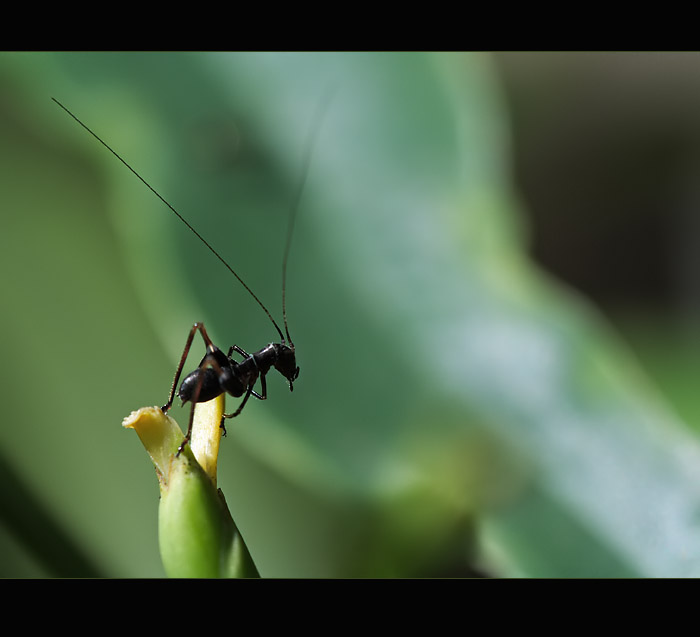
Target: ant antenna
{"points": [[321, 110], [199, 236]]}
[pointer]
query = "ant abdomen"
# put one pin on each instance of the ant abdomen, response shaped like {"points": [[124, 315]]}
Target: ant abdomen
{"points": [[214, 376], [209, 387]]}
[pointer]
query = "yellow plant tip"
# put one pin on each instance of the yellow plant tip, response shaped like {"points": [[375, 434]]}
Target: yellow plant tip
{"points": [[197, 535], [159, 434], [206, 434]]}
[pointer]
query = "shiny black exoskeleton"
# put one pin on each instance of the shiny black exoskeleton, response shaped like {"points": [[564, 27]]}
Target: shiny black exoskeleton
{"points": [[219, 373]]}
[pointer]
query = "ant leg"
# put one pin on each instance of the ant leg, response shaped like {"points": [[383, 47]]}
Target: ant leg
{"points": [[245, 354], [188, 344], [263, 387], [225, 416], [240, 407], [209, 361], [250, 391], [247, 396], [240, 350]]}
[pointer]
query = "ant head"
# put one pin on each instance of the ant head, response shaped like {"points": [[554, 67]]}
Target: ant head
{"points": [[286, 364]]}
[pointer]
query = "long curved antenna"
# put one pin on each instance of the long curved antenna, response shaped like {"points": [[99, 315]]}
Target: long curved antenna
{"points": [[321, 110], [179, 216]]}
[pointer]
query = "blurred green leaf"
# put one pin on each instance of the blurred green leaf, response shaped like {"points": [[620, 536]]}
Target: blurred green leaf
{"points": [[423, 331], [30, 522]]}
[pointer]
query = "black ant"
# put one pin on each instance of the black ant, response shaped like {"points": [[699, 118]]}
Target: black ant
{"points": [[219, 373]]}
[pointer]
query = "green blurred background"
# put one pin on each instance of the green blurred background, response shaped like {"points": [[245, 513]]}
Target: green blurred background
{"points": [[493, 292]]}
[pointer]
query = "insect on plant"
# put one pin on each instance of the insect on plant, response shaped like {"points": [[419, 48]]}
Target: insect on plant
{"points": [[219, 373]]}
